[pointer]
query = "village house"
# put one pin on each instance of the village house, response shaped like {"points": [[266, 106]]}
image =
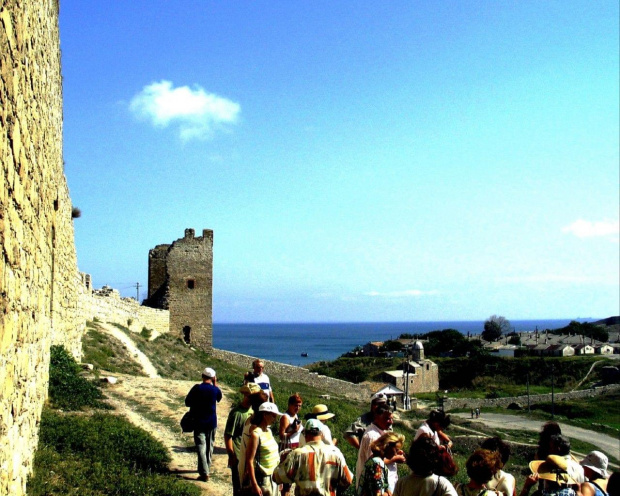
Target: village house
{"points": [[373, 349], [604, 349], [584, 349], [418, 375], [560, 350]]}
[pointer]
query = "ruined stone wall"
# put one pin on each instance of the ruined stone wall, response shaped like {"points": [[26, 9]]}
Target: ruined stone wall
{"points": [[190, 280], [157, 269], [337, 387], [453, 403], [106, 305], [39, 294]]}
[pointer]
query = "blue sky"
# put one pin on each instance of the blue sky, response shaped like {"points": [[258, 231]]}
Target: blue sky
{"points": [[357, 161]]}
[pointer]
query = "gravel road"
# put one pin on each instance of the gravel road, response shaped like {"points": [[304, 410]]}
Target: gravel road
{"points": [[603, 442]]}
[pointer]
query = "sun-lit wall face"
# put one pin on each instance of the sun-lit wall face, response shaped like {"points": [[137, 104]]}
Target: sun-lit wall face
{"points": [[39, 280]]}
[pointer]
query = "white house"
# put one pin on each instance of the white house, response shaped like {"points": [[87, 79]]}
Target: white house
{"points": [[604, 349]]}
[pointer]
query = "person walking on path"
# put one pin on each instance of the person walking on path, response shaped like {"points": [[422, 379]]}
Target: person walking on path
{"points": [[202, 401], [317, 469]]}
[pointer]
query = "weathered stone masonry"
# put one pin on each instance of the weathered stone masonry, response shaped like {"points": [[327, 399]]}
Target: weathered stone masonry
{"points": [[181, 280], [338, 387], [39, 281]]}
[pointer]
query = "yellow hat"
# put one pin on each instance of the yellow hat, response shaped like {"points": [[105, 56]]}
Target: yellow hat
{"points": [[321, 412], [249, 388], [554, 468]]}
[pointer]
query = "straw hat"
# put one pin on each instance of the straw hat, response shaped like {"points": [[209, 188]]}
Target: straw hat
{"points": [[321, 412], [249, 388], [554, 469]]}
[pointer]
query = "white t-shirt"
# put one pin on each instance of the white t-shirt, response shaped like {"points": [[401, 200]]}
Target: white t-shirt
{"points": [[263, 381], [433, 485], [294, 437], [574, 469], [425, 430], [503, 482], [371, 433]]}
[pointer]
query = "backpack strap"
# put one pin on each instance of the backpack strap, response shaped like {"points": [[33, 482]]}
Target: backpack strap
{"points": [[599, 488]]}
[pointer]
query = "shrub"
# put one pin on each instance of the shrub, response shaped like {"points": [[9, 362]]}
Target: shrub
{"points": [[67, 389], [146, 333]]}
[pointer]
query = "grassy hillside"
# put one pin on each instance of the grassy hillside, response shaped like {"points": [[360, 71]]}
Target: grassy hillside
{"points": [[487, 375], [61, 462], [83, 450]]}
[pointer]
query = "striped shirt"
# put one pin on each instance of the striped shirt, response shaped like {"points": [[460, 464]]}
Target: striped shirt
{"points": [[267, 454], [316, 469]]}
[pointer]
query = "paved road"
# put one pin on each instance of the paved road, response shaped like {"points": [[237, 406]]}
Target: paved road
{"points": [[603, 442]]}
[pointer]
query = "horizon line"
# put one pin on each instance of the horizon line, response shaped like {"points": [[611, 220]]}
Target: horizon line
{"points": [[400, 321]]}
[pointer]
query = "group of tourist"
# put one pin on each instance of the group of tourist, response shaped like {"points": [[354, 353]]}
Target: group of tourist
{"points": [[307, 454]]}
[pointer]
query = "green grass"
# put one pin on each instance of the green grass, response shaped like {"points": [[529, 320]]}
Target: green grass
{"points": [[100, 455], [107, 353], [68, 390], [154, 415], [603, 410], [174, 359], [486, 376], [97, 453]]}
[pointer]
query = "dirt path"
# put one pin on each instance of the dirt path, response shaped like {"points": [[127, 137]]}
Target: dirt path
{"points": [[157, 405], [133, 350], [603, 442]]}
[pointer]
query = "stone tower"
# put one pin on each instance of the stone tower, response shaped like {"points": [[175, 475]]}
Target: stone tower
{"points": [[417, 351], [181, 280]]}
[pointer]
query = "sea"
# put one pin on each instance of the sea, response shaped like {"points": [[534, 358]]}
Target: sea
{"points": [[285, 343]]}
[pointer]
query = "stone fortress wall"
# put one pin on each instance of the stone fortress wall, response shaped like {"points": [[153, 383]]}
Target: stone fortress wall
{"points": [[454, 403], [106, 305], [181, 281], [190, 286], [292, 373], [39, 293]]}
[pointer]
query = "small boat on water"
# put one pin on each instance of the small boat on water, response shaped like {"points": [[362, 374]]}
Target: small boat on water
{"points": [[304, 354]]}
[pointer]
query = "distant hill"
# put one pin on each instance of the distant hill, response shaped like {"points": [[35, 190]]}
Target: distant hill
{"points": [[609, 321]]}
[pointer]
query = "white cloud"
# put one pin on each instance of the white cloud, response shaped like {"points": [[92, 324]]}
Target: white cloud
{"points": [[587, 229], [408, 293], [196, 112]]}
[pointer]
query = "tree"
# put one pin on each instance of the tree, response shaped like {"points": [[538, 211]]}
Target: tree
{"points": [[391, 345], [494, 327]]}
